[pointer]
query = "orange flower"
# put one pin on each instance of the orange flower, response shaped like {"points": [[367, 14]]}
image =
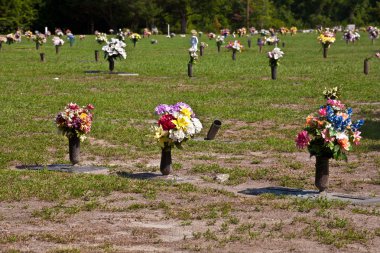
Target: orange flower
{"points": [[309, 120], [344, 144]]}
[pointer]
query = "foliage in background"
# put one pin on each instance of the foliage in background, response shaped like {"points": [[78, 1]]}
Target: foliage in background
{"points": [[86, 16]]}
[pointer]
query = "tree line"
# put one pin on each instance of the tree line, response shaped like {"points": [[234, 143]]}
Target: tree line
{"points": [[86, 16]]}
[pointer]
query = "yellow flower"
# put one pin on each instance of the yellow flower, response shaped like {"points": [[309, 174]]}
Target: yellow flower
{"points": [[186, 111], [83, 116], [181, 122]]}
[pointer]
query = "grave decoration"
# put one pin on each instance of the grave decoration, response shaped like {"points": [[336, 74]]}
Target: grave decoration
{"points": [[274, 58], [211, 36], [351, 36], [114, 50], [373, 33], [193, 59], [330, 133], [219, 42], [120, 35], [10, 38], [39, 39], [101, 38], [58, 42], [293, 30], [234, 47], [28, 35], [326, 39], [70, 37], [366, 62], [176, 125], [134, 38], [202, 47], [75, 123]]}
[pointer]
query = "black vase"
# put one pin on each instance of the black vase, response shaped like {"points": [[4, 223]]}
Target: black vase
{"points": [[42, 57], [325, 49], [56, 49], [234, 55], [201, 50], [37, 45], [218, 48], [74, 149], [111, 63], [190, 70], [366, 66], [322, 173], [273, 72], [249, 43], [166, 160], [96, 55], [215, 126]]}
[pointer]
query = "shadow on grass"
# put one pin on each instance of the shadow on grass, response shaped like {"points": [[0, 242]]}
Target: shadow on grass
{"points": [[142, 175], [64, 168], [371, 130], [278, 191]]}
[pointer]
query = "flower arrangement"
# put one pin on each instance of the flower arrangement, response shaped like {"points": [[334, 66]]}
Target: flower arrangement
{"points": [[114, 49], [135, 37], [274, 56], [242, 31], [351, 36], [28, 34], [70, 37], [326, 38], [176, 125], [146, 32], [193, 55], [293, 30], [82, 37], [57, 41], [58, 32], [252, 30], [235, 46], [120, 35], [153, 41], [11, 38], [101, 38], [272, 40], [3, 39], [219, 40], [284, 30], [330, 133], [39, 39], [373, 32], [211, 36], [75, 121], [225, 32], [204, 45]]}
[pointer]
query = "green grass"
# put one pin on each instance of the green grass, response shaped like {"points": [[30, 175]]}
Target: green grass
{"points": [[221, 88]]}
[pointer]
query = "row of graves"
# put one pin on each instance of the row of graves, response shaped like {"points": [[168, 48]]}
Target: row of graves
{"points": [[114, 43]]}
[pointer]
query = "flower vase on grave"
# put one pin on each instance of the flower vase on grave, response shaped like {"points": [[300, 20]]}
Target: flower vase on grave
{"points": [[134, 42], [74, 149], [201, 50], [218, 47], [42, 57], [325, 49], [96, 55], [234, 54], [56, 49], [111, 63], [190, 70], [249, 42], [37, 45], [322, 173], [166, 160], [1, 44], [366, 66], [215, 126], [273, 72]]}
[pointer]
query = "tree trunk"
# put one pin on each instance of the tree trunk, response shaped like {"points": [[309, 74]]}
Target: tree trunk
{"points": [[183, 23]]}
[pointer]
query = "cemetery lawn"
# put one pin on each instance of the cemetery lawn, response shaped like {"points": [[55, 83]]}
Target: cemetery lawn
{"points": [[128, 211]]}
